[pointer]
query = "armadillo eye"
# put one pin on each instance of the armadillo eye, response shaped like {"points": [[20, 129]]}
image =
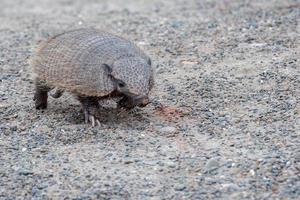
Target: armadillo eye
{"points": [[121, 84]]}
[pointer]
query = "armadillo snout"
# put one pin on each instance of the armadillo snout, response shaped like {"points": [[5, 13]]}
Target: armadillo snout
{"points": [[130, 102], [141, 101]]}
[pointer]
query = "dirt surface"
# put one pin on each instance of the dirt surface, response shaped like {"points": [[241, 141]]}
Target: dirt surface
{"points": [[224, 125]]}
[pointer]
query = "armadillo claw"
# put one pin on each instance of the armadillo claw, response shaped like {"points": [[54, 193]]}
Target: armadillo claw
{"points": [[122, 111], [90, 107], [93, 120], [89, 117]]}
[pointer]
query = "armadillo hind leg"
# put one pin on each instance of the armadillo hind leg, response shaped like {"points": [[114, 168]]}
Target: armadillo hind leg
{"points": [[41, 94], [90, 106], [56, 93]]}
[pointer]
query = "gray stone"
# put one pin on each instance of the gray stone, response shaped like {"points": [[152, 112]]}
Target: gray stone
{"points": [[211, 165], [180, 187], [168, 130]]}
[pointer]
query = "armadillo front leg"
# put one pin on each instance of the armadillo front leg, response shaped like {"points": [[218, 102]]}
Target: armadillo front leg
{"points": [[90, 106]]}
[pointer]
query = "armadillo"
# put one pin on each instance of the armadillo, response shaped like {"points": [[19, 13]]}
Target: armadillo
{"points": [[92, 65]]}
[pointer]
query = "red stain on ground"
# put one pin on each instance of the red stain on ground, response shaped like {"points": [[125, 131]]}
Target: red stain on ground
{"points": [[169, 113]]}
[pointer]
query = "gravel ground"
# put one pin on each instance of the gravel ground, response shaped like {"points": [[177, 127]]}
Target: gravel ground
{"points": [[224, 125]]}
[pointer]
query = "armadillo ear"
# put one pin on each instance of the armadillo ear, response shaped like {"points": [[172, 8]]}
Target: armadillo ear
{"points": [[107, 68]]}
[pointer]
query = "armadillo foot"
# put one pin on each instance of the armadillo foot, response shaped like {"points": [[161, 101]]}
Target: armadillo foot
{"points": [[56, 93], [90, 106]]}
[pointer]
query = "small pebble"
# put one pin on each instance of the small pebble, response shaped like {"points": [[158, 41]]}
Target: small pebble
{"points": [[170, 164], [25, 172], [13, 127], [180, 187], [128, 161], [252, 172], [168, 130], [230, 186], [297, 157], [211, 165]]}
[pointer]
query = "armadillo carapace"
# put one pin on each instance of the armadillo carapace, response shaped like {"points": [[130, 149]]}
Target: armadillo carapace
{"points": [[92, 65]]}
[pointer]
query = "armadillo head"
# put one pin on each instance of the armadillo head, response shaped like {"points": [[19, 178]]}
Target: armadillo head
{"points": [[132, 77]]}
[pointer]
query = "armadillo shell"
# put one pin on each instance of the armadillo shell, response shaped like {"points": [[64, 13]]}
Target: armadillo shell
{"points": [[74, 60]]}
